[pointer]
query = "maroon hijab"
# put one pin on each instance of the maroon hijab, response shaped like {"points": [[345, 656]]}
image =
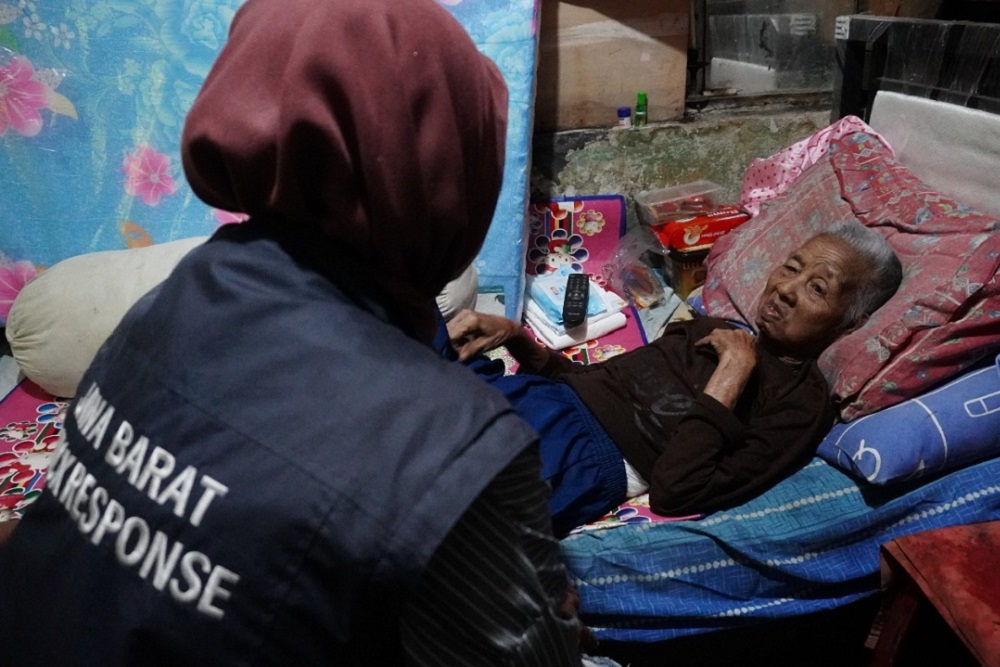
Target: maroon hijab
{"points": [[376, 122]]}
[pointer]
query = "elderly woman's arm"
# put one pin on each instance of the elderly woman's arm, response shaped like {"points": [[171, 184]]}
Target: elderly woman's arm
{"points": [[473, 333], [715, 461], [737, 359]]}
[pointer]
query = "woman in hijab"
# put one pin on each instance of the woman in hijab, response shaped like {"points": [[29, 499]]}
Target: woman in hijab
{"points": [[267, 463]]}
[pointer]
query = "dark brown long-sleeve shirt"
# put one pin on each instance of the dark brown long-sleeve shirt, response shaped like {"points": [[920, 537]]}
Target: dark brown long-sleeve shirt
{"points": [[697, 455]]}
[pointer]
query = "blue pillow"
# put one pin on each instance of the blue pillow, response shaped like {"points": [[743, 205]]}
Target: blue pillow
{"points": [[941, 430]]}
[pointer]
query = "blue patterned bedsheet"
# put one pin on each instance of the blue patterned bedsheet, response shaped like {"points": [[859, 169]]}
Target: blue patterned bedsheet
{"points": [[809, 543]]}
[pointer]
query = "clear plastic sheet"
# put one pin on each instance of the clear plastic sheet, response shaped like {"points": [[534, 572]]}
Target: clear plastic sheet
{"points": [[950, 61], [768, 45]]}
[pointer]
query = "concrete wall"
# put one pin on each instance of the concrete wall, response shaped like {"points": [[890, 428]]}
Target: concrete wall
{"points": [[593, 57], [715, 146]]}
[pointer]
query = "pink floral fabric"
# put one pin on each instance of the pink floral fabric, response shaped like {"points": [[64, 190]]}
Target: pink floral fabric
{"points": [[21, 96], [945, 316], [766, 178], [148, 175], [13, 277]]}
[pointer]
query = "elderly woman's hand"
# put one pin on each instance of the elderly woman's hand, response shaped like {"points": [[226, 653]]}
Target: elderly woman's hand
{"points": [[737, 359], [471, 332]]}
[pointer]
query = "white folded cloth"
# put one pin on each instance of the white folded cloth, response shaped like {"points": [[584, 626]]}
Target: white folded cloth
{"points": [[557, 337], [587, 331]]}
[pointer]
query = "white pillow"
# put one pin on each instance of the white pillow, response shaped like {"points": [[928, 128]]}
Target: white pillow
{"points": [[62, 316], [460, 294]]}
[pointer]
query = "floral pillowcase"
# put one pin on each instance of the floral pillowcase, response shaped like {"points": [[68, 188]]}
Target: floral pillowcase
{"points": [[946, 315]]}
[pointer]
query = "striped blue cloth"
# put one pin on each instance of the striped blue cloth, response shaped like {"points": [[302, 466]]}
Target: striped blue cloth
{"points": [[809, 543]]}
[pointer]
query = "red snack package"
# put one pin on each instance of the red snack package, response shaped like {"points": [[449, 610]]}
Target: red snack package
{"points": [[699, 231]]}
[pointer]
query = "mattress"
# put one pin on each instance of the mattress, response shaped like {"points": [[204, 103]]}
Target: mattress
{"points": [[103, 85]]}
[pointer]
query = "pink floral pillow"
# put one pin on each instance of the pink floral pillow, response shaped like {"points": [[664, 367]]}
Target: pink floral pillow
{"points": [[945, 316]]}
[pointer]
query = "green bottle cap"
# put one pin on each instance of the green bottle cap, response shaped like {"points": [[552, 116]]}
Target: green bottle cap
{"points": [[641, 98]]}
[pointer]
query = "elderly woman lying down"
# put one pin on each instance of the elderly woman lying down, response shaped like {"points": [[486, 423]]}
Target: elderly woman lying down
{"points": [[707, 415]]}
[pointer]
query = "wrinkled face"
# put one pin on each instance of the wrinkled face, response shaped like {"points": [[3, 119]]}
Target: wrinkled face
{"points": [[805, 300]]}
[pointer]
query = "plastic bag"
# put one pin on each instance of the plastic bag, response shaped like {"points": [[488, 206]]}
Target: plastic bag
{"points": [[640, 270]]}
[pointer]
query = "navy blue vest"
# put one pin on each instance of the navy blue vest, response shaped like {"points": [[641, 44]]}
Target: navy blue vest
{"points": [[256, 468]]}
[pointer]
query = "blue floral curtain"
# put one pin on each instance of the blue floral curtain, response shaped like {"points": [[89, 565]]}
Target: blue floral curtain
{"points": [[93, 95]]}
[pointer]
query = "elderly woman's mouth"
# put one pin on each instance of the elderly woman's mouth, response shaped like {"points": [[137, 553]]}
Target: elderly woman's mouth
{"points": [[769, 313]]}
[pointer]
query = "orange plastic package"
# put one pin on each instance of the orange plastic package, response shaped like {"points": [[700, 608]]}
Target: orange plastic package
{"points": [[699, 231]]}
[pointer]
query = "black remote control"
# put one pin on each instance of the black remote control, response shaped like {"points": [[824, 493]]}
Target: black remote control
{"points": [[575, 305]]}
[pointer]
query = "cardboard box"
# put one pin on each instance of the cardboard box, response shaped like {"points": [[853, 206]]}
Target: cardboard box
{"points": [[594, 56], [689, 270]]}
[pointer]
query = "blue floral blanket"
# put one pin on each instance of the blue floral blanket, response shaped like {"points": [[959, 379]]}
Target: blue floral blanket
{"points": [[93, 96]]}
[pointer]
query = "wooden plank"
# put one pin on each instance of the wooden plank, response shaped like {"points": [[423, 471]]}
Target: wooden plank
{"points": [[595, 55]]}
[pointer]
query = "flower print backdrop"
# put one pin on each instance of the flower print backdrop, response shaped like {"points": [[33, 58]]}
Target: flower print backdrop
{"points": [[93, 95]]}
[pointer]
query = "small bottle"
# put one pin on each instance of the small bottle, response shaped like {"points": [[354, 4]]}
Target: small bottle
{"points": [[624, 116], [640, 109]]}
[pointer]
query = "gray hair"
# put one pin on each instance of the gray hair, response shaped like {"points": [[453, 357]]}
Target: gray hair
{"points": [[885, 269]]}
